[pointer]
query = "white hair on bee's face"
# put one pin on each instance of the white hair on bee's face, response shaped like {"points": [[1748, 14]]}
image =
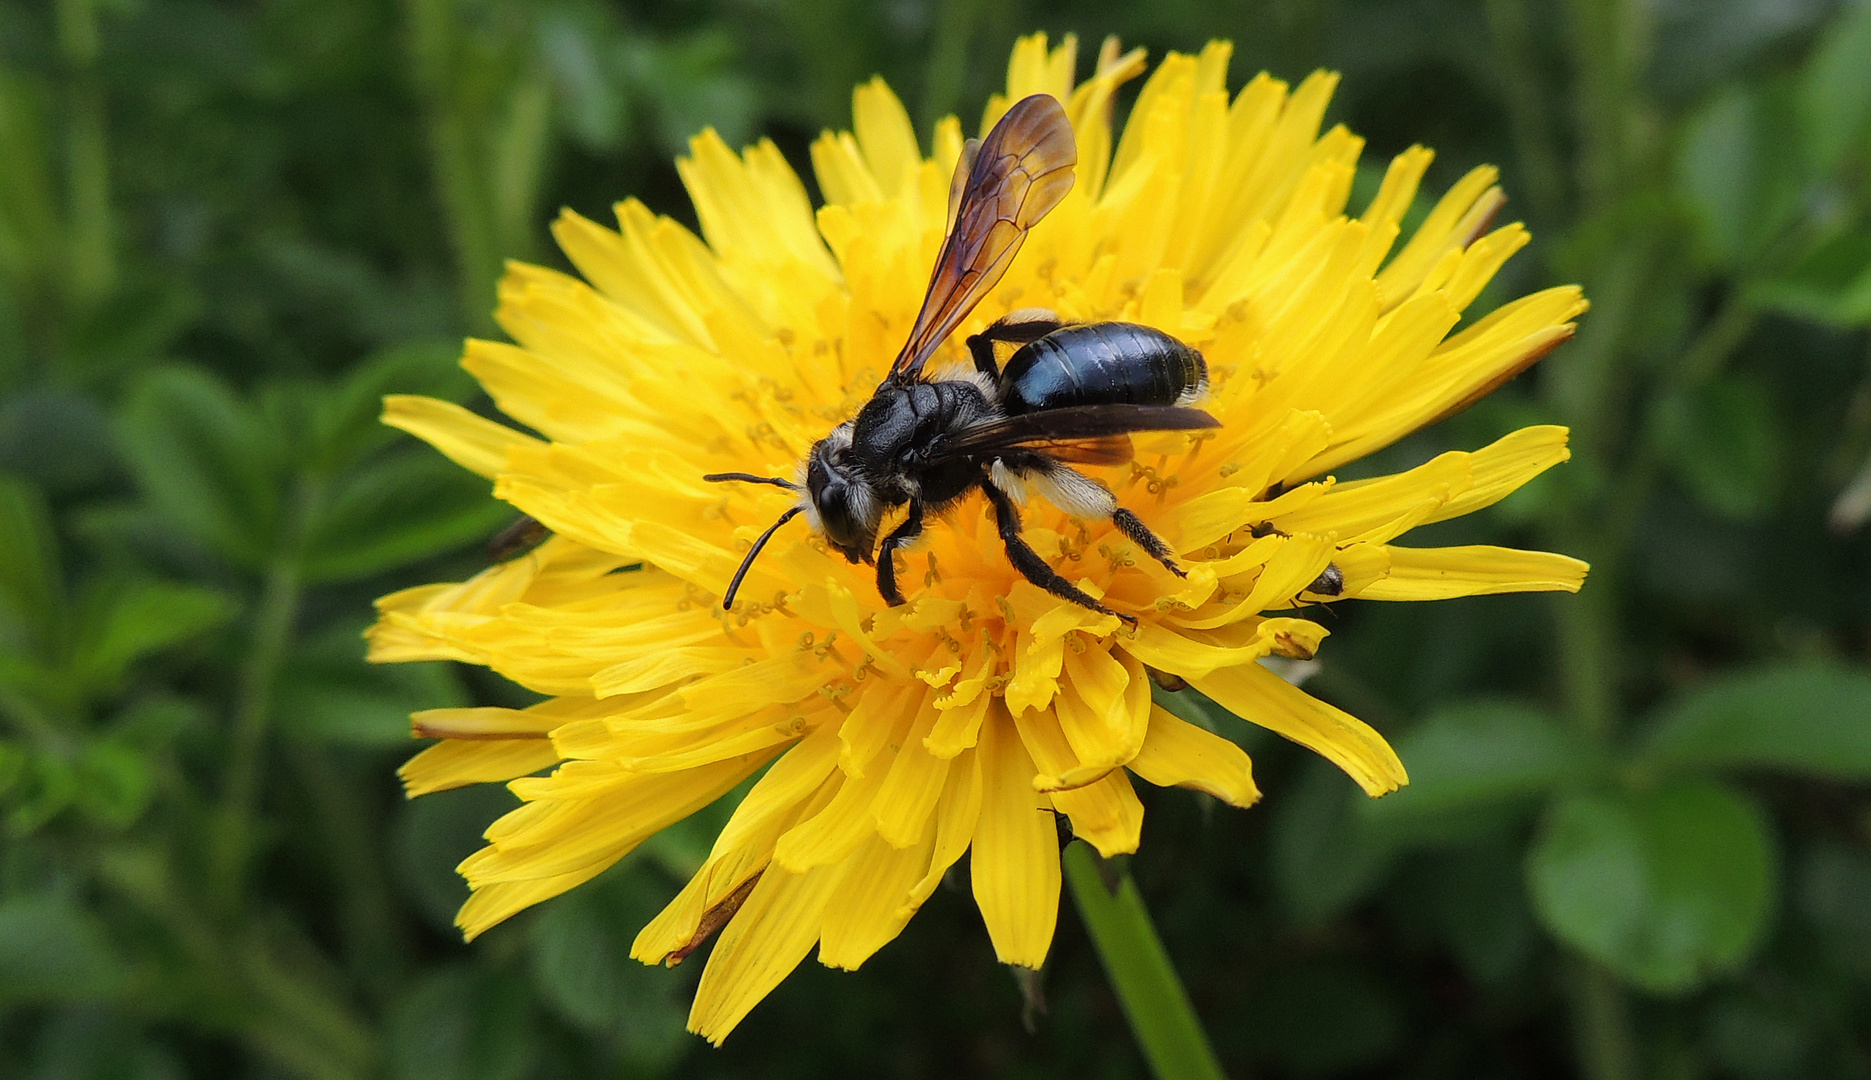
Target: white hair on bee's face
{"points": [[838, 438]]}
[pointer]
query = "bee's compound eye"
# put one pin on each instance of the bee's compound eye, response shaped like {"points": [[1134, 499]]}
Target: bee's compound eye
{"points": [[833, 502]]}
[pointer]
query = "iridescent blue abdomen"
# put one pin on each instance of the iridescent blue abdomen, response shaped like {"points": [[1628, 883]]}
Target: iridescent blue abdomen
{"points": [[1105, 363]]}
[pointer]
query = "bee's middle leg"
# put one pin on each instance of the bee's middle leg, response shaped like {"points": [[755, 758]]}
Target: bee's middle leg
{"points": [[911, 528], [1027, 561]]}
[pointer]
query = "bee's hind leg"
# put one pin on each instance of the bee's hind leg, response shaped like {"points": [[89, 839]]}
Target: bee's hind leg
{"points": [[1014, 328], [1027, 561], [1077, 495], [1132, 526]]}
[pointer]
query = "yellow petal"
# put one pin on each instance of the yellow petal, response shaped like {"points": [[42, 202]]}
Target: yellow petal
{"points": [[550, 838], [1105, 813], [958, 811], [494, 904], [868, 909], [1499, 469], [834, 832], [885, 136], [1016, 850], [914, 783], [476, 444], [773, 931], [1258, 696], [1441, 573], [1104, 712], [1178, 753], [455, 763]]}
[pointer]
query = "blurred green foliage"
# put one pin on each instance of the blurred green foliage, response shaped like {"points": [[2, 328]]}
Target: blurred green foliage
{"points": [[1638, 840]]}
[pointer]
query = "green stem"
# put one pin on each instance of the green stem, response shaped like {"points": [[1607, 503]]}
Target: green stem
{"points": [[1508, 26], [373, 947], [253, 703], [1153, 998], [431, 39], [90, 241], [1701, 361], [1610, 42], [1606, 1043]]}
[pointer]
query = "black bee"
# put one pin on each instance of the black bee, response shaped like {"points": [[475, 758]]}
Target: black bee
{"points": [[1067, 394]]}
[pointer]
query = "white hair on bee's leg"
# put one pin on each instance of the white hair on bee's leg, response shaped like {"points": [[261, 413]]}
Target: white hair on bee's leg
{"points": [[1073, 491], [1009, 481]]}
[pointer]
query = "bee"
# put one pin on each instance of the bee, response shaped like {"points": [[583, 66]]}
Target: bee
{"points": [[1067, 394]]}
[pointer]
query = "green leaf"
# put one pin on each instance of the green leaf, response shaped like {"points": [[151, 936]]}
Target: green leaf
{"points": [[328, 694], [431, 837], [593, 102], [581, 963], [1664, 887], [115, 782], [1812, 719], [346, 424], [31, 242], [207, 462], [1830, 283], [459, 1024], [51, 949], [1737, 171], [1480, 758], [1835, 94], [1323, 862], [395, 511], [1832, 893], [127, 621], [1479, 907], [58, 439], [30, 587], [1727, 447]]}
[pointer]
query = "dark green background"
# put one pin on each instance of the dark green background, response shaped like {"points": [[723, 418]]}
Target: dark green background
{"points": [[1639, 841]]}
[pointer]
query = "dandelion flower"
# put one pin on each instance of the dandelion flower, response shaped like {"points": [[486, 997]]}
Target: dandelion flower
{"points": [[889, 741]]}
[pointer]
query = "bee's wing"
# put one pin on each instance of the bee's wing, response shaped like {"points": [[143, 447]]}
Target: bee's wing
{"points": [[1088, 434], [1003, 186]]}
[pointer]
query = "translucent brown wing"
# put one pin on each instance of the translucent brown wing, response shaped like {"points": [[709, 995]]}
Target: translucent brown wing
{"points": [[1013, 178], [1086, 434], [1102, 450]]}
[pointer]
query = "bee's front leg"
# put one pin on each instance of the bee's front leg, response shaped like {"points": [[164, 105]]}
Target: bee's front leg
{"points": [[911, 528]]}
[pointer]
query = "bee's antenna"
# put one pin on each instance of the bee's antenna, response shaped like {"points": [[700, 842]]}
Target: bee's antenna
{"points": [[727, 598], [718, 477]]}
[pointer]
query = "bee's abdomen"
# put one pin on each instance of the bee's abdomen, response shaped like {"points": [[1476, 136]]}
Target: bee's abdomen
{"points": [[1107, 363]]}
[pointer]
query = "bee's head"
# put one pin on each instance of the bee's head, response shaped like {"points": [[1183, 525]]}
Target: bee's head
{"points": [[840, 502]]}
